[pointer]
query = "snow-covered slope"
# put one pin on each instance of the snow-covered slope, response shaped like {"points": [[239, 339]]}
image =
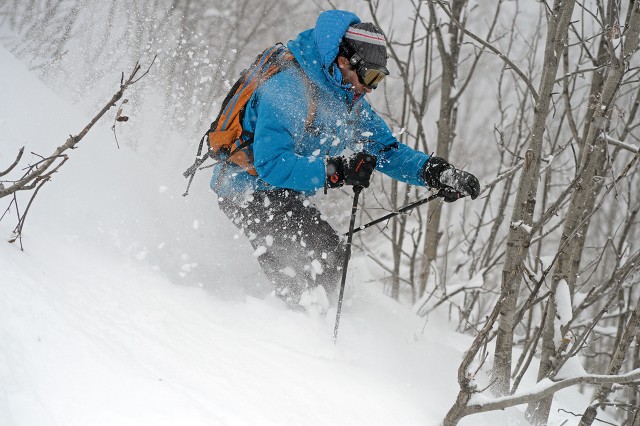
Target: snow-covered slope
{"points": [[91, 338]]}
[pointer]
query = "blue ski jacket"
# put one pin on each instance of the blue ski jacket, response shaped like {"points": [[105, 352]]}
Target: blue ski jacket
{"points": [[289, 154]]}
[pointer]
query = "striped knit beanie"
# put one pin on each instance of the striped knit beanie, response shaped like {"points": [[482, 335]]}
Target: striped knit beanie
{"points": [[369, 43]]}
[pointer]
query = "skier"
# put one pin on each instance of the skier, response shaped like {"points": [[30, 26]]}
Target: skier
{"points": [[338, 62]]}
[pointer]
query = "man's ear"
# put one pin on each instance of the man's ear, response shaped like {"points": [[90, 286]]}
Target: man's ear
{"points": [[342, 62]]}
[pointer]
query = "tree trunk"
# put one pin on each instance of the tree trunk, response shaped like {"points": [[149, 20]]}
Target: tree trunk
{"points": [[446, 131], [634, 416], [519, 239]]}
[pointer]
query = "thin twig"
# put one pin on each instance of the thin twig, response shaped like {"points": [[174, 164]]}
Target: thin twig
{"points": [[15, 163], [501, 55]]}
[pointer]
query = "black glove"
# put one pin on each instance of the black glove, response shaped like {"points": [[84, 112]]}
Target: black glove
{"points": [[355, 170], [452, 183]]}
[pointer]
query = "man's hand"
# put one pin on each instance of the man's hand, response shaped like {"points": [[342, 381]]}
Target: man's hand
{"points": [[452, 183], [355, 170]]}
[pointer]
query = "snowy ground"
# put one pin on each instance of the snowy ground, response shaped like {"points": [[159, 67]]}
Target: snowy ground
{"points": [[129, 305]]}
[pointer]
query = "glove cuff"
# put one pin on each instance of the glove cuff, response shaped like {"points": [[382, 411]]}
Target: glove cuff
{"points": [[335, 172], [432, 170]]}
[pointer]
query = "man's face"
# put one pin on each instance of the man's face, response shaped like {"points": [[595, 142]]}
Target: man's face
{"points": [[350, 76]]}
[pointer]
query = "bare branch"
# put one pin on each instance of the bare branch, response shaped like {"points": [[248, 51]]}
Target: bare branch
{"points": [[501, 177], [15, 163], [623, 145], [514, 67], [547, 388], [40, 173], [71, 142]]}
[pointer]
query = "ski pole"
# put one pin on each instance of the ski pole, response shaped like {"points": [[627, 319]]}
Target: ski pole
{"points": [[397, 212], [191, 171], [347, 255]]}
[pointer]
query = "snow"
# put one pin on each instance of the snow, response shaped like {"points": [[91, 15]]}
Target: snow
{"points": [[132, 305], [260, 250], [572, 368], [520, 224], [97, 347], [564, 310]]}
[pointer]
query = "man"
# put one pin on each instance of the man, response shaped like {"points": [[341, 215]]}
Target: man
{"points": [[338, 62]]}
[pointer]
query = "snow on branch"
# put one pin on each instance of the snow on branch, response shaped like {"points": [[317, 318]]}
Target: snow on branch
{"points": [[545, 388], [623, 145], [487, 185]]}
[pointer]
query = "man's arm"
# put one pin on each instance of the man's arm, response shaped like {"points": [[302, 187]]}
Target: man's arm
{"points": [[395, 159]]}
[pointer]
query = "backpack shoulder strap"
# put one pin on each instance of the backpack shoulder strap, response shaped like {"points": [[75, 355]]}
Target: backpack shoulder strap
{"points": [[228, 141]]}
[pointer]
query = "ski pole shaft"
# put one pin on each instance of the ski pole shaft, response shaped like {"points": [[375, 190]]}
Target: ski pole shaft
{"points": [[191, 171], [347, 256], [397, 212]]}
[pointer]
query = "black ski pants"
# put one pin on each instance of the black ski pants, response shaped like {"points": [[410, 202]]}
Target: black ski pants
{"points": [[297, 249]]}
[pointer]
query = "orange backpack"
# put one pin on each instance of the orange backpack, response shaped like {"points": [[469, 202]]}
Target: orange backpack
{"points": [[228, 141]]}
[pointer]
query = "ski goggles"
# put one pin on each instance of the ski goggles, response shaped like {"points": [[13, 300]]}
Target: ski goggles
{"points": [[368, 74]]}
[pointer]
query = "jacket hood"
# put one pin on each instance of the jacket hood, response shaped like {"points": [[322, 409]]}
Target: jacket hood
{"points": [[316, 49], [329, 30]]}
